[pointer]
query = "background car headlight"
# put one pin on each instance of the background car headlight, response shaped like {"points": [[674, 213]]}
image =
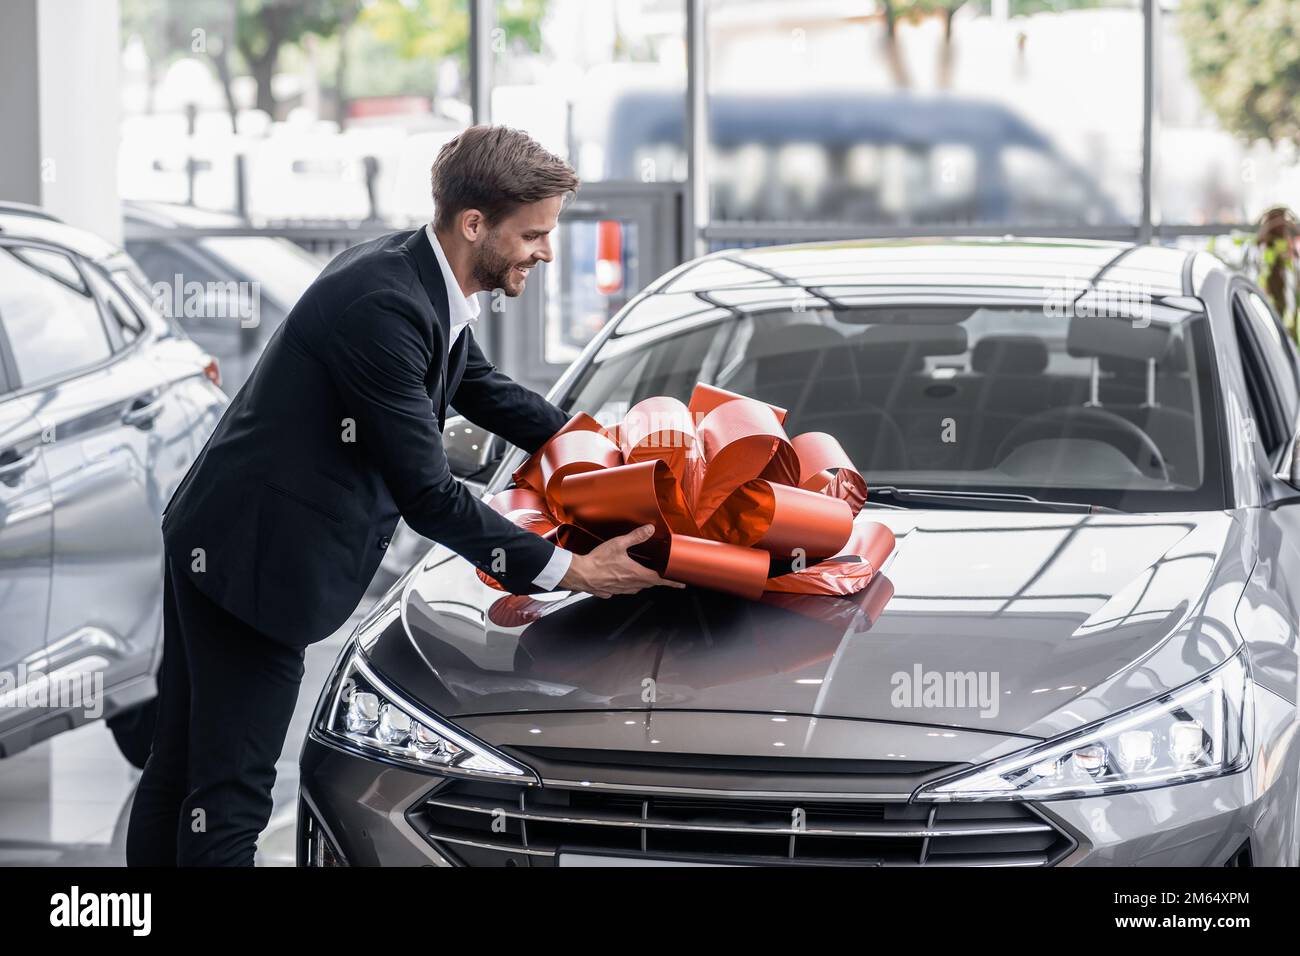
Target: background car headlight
{"points": [[368, 714], [1200, 730]]}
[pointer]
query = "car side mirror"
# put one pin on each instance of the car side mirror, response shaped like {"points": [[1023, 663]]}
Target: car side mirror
{"points": [[1293, 473], [470, 450]]}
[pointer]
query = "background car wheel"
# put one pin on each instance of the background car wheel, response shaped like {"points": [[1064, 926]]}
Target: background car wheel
{"points": [[133, 731]]}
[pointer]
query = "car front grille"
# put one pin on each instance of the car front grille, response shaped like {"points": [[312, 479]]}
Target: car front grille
{"points": [[490, 824]]}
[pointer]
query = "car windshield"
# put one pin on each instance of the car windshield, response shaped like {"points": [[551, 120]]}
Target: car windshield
{"points": [[1024, 399]]}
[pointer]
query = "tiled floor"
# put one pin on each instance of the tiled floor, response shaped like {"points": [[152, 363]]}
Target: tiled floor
{"points": [[66, 801]]}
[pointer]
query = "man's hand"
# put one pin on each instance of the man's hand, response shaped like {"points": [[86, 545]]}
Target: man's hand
{"points": [[607, 569]]}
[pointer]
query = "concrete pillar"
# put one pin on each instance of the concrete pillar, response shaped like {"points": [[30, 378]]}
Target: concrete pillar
{"points": [[59, 109]]}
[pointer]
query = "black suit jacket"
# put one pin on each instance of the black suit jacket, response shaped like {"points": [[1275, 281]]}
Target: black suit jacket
{"points": [[285, 514]]}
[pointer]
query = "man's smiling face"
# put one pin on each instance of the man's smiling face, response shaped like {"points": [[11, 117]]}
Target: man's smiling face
{"points": [[506, 252]]}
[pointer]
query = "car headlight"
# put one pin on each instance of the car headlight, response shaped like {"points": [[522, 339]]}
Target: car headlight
{"points": [[371, 716], [1200, 730]]}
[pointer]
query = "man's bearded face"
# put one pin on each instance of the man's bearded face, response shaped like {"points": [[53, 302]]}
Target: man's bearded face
{"points": [[495, 268]]}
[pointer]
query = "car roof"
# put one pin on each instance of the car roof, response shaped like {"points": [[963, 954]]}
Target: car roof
{"points": [[9, 207], [173, 216], [1019, 266], [24, 225], [838, 117]]}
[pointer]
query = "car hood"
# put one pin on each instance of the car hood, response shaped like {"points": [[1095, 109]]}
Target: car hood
{"points": [[1021, 623]]}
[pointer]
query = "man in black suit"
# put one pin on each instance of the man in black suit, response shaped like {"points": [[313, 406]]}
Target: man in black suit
{"points": [[275, 532]]}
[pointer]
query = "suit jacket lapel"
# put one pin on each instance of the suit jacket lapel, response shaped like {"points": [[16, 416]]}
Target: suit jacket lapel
{"points": [[426, 262]]}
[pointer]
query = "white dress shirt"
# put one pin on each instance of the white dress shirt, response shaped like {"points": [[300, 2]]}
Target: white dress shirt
{"points": [[463, 312], [461, 309]]}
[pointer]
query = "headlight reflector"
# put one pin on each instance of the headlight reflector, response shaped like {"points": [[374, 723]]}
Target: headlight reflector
{"points": [[1200, 730]]}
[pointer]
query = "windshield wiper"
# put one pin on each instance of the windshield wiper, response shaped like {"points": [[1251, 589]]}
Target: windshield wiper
{"points": [[981, 500]]}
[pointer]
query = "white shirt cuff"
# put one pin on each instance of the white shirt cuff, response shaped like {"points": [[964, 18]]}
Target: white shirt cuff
{"points": [[555, 570]]}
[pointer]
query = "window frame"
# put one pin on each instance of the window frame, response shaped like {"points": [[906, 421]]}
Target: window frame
{"points": [[95, 273], [1254, 294], [18, 387], [1258, 373]]}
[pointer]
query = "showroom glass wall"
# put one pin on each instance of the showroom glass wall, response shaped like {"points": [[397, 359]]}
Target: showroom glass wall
{"points": [[832, 119], [733, 122]]}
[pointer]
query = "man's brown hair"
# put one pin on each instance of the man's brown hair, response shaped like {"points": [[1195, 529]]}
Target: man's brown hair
{"points": [[495, 169]]}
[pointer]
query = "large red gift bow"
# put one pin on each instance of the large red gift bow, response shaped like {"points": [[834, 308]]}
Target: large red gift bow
{"points": [[724, 486]]}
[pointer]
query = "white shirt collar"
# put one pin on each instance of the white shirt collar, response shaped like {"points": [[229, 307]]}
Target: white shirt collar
{"points": [[461, 310]]}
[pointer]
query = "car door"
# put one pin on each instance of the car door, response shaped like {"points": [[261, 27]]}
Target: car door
{"points": [[104, 414], [1270, 609], [25, 527]]}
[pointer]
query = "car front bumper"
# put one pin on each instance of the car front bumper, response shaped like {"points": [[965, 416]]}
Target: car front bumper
{"points": [[375, 813]]}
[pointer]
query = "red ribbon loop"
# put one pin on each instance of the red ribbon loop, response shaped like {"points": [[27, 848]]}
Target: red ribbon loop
{"points": [[728, 493]]}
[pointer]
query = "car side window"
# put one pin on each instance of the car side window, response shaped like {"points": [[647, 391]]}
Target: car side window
{"points": [[124, 324], [1277, 351], [172, 270], [49, 315], [1272, 424]]}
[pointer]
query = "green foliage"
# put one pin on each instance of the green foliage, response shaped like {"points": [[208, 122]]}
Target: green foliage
{"points": [[1025, 8], [1245, 60], [264, 26], [394, 48]]}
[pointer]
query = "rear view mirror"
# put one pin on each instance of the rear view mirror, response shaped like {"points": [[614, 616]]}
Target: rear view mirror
{"points": [[922, 339], [1093, 336], [469, 449]]}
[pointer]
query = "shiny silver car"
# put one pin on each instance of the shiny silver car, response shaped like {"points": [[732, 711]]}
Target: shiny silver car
{"points": [[243, 284], [1082, 651], [103, 405]]}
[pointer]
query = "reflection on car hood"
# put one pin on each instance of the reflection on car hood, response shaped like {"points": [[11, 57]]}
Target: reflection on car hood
{"points": [[1007, 622]]}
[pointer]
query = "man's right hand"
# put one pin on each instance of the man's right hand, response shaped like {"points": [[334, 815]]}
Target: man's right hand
{"points": [[608, 570]]}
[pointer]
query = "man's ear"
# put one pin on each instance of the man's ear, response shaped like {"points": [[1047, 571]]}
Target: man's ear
{"points": [[472, 224]]}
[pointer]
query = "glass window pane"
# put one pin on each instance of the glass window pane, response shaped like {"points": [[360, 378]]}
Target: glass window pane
{"points": [[51, 319], [990, 398], [128, 323], [1226, 108], [594, 274], [599, 82], [1276, 351], [980, 116]]}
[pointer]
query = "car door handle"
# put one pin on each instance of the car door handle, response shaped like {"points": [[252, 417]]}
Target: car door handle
{"points": [[11, 471], [143, 412]]}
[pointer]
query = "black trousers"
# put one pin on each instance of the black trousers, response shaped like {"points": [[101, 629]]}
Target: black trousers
{"points": [[226, 695]]}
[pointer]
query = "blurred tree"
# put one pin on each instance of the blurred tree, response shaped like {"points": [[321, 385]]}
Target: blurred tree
{"points": [[893, 54], [1025, 8], [154, 24], [1244, 57], [946, 10], [222, 14], [433, 30], [348, 13], [264, 27], [237, 36]]}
